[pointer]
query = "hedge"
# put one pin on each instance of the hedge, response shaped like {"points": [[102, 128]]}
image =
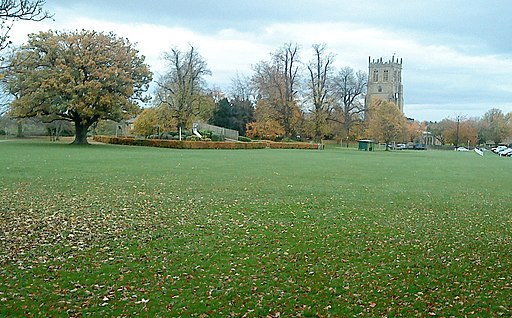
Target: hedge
{"points": [[177, 144], [291, 145]]}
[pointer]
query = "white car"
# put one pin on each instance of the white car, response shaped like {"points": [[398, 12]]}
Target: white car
{"points": [[505, 152], [462, 149], [400, 146], [498, 149]]}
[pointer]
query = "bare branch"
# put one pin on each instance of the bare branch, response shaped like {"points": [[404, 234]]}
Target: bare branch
{"points": [[181, 87], [350, 88], [16, 10]]}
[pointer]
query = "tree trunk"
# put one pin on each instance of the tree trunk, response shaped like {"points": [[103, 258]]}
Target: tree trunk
{"points": [[318, 136], [58, 130], [80, 134], [318, 127], [20, 130]]}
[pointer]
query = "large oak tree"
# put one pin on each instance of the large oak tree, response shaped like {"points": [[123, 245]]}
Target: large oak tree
{"points": [[77, 76]]}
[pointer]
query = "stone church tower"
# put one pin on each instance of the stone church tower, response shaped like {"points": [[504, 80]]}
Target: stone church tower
{"points": [[385, 82]]}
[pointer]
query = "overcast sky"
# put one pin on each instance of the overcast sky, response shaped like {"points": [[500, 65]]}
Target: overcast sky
{"points": [[457, 54]]}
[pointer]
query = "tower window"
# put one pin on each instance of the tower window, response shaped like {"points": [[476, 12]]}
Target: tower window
{"points": [[386, 76], [375, 76], [380, 89]]}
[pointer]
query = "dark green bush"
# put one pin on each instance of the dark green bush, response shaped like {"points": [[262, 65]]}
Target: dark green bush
{"points": [[244, 139], [286, 139], [192, 138], [216, 137]]}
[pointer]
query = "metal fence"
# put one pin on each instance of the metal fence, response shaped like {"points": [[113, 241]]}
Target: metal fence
{"points": [[227, 133]]}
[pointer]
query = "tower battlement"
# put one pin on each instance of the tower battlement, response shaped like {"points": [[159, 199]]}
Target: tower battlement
{"points": [[380, 61]]}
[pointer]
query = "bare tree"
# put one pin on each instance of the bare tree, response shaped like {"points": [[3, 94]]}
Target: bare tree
{"points": [[4, 103], [320, 71], [276, 82], [288, 59], [350, 88], [15, 10], [182, 88], [241, 88], [5, 95], [11, 11]]}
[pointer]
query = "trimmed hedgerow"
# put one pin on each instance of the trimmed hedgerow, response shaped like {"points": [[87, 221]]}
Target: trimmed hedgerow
{"points": [[177, 144], [291, 145]]}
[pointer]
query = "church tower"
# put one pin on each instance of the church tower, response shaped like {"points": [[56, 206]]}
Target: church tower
{"points": [[385, 82]]}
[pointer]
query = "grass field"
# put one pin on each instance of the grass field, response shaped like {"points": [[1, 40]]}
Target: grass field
{"points": [[109, 230]]}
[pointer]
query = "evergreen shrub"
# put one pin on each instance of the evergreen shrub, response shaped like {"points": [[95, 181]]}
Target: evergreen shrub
{"points": [[244, 139]]}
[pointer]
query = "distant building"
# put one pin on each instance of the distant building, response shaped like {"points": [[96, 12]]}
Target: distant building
{"points": [[385, 82]]}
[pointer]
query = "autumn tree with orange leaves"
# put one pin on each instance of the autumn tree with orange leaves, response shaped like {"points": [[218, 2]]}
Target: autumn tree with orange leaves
{"points": [[386, 123], [81, 77]]}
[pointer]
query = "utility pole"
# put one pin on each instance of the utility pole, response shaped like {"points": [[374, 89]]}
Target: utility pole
{"points": [[457, 137]]}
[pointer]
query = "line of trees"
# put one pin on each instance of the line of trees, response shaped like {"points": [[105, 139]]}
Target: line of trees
{"points": [[284, 98], [84, 77], [494, 127]]}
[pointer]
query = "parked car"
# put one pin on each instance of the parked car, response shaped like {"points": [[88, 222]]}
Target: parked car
{"points": [[420, 146], [400, 146], [498, 149], [461, 149], [504, 152]]}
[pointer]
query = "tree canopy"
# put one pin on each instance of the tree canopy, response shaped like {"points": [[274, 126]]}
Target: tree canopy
{"points": [[386, 123], [495, 126], [234, 114], [146, 122], [77, 76]]}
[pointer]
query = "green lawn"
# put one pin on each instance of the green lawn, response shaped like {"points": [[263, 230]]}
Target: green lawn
{"points": [[107, 230]]}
